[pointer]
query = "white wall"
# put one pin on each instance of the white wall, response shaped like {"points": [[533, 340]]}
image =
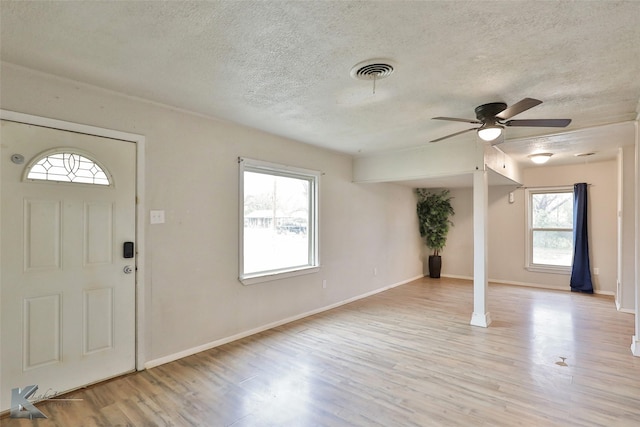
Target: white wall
{"points": [[507, 227], [602, 219], [457, 255], [500, 163], [430, 160], [627, 279], [193, 294]]}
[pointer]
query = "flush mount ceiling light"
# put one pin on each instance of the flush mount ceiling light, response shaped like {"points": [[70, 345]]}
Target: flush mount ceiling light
{"points": [[540, 158], [490, 132]]}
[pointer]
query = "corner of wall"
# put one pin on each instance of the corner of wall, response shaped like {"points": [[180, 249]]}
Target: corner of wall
{"points": [[502, 164]]}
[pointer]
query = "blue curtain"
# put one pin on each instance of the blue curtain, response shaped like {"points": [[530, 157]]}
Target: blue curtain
{"points": [[581, 270]]}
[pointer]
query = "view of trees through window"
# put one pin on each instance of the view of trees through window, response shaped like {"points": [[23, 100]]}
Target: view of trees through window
{"points": [[552, 228], [276, 222]]}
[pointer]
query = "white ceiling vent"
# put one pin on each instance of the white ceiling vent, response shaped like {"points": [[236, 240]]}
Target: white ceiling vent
{"points": [[373, 69]]}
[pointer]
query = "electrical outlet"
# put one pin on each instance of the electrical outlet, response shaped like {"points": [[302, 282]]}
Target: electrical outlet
{"points": [[156, 217], [596, 271], [324, 284]]}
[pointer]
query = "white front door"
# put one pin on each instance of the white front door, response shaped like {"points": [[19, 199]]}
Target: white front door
{"points": [[67, 303]]}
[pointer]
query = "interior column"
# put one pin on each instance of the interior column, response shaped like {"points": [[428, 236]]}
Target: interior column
{"points": [[480, 316], [635, 340]]}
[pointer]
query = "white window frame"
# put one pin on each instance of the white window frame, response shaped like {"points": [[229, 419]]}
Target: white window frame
{"points": [[529, 264], [275, 169]]}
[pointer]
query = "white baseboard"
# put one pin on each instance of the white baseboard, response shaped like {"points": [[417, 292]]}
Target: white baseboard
{"points": [[455, 276], [193, 350], [635, 346], [526, 284], [627, 310], [509, 282]]}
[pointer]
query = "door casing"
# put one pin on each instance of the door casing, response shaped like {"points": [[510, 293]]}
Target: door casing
{"points": [[139, 140]]}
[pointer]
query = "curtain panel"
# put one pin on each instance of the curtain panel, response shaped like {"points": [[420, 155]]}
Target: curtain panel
{"points": [[581, 269]]}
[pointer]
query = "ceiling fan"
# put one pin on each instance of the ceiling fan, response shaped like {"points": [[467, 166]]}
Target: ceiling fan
{"points": [[491, 118]]}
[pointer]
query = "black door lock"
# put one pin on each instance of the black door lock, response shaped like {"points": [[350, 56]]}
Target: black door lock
{"points": [[127, 250]]}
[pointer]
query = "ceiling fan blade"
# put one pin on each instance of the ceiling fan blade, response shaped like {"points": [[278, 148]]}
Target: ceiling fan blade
{"points": [[518, 108], [453, 119], [453, 134], [544, 123]]}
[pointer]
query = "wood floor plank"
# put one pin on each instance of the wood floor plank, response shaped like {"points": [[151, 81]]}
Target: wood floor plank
{"points": [[404, 357]]}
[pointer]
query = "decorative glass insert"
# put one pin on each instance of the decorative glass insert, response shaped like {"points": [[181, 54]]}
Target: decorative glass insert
{"points": [[68, 167]]}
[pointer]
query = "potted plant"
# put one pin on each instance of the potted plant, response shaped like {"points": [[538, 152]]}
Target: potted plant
{"points": [[434, 210]]}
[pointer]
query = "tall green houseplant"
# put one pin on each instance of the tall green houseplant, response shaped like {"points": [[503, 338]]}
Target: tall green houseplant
{"points": [[434, 210]]}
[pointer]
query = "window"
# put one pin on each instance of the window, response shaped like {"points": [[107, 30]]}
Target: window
{"points": [[67, 166], [550, 229], [279, 221]]}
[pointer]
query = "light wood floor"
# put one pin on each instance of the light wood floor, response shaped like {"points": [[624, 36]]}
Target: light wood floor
{"points": [[405, 357]]}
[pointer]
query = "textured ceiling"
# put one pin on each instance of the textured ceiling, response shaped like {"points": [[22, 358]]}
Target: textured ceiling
{"points": [[284, 66]]}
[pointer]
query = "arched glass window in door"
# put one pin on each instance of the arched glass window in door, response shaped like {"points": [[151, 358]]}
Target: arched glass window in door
{"points": [[67, 166]]}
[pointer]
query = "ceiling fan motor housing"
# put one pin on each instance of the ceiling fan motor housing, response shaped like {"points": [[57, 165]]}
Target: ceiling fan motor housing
{"points": [[488, 112]]}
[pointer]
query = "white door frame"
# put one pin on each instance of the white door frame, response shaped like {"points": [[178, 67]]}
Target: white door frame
{"points": [[139, 140]]}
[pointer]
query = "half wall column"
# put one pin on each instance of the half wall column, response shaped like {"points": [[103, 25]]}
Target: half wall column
{"points": [[635, 340], [480, 316]]}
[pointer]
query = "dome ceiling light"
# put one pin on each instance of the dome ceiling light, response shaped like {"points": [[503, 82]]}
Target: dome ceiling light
{"points": [[540, 158]]}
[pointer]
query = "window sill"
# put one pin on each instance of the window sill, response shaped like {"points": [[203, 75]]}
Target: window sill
{"points": [[548, 269], [268, 277]]}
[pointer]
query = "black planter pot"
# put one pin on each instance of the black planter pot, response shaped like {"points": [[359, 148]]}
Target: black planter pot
{"points": [[435, 265]]}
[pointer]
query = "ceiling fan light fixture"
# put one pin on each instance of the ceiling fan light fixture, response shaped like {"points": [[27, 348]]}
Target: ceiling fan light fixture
{"points": [[490, 132], [540, 158]]}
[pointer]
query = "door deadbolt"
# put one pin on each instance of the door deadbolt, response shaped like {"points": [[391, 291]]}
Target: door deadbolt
{"points": [[127, 269]]}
